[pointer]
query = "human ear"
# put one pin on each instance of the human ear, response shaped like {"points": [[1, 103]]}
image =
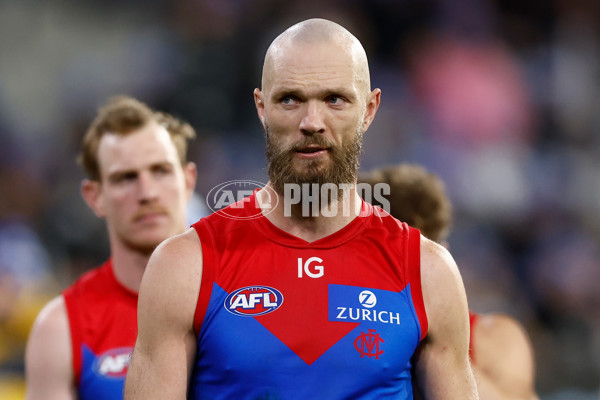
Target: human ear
{"points": [[190, 173], [91, 191], [260, 105], [373, 100]]}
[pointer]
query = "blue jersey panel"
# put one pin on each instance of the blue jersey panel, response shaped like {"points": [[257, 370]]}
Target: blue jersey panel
{"points": [[103, 376], [239, 358]]}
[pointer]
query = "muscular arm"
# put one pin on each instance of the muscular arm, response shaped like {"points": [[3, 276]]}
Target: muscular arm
{"points": [[48, 357], [504, 366], [442, 368], [164, 352]]}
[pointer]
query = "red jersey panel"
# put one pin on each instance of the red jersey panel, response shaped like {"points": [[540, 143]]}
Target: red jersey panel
{"points": [[103, 323]]}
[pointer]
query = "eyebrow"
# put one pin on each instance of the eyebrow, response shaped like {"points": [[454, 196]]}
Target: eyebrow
{"points": [[117, 175], [120, 173], [339, 91]]}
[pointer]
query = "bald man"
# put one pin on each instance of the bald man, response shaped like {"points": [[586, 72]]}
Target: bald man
{"points": [[302, 290]]}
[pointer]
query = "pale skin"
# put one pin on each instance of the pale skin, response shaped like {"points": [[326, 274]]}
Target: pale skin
{"points": [[142, 194], [442, 368], [315, 82], [504, 365]]}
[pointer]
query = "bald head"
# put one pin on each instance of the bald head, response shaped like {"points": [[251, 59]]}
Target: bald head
{"points": [[317, 33]]}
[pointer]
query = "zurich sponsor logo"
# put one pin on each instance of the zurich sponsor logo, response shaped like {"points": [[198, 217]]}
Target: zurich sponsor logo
{"points": [[114, 362], [354, 304], [367, 299], [252, 301]]}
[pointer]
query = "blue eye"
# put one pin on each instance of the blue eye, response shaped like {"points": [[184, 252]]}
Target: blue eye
{"points": [[287, 99], [335, 100]]}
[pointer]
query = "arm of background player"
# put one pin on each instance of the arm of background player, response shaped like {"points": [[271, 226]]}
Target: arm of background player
{"points": [[48, 356], [504, 364], [442, 367], [164, 352]]}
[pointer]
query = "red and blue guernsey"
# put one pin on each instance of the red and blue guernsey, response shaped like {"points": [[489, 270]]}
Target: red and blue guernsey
{"points": [[103, 324], [282, 318]]}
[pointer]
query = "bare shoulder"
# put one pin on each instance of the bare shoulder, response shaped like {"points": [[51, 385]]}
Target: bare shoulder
{"points": [[442, 360], [48, 357], [436, 259], [53, 318], [172, 278], [441, 280], [180, 247], [165, 346], [502, 347], [177, 258], [500, 330]]}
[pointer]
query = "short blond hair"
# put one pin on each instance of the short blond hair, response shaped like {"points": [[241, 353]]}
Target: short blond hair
{"points": [[122, 115]]}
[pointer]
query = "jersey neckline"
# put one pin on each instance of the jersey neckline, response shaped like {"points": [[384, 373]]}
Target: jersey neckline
{"points": [[109, 270], [338, 238]]}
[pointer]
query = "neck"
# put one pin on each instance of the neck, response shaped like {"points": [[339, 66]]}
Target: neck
{"points": [[328, 218], [128, 265]]}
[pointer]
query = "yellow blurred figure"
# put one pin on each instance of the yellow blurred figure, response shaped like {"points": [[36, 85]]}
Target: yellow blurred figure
{"points": [[12, 388]]}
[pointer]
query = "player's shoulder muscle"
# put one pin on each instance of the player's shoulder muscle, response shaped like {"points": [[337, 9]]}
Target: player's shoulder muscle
{"points": [[172, 278], [48, 358]]}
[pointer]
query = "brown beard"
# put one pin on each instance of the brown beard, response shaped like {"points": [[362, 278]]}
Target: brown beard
{"points": [[343, 169]]}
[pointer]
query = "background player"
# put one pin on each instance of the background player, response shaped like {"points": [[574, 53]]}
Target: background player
{"points": [[199, 300], [139, 182], [501, 354]]}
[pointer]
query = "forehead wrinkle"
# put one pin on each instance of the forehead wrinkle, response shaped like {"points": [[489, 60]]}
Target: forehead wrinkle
{"points": [[291, 70], [313, 84]]}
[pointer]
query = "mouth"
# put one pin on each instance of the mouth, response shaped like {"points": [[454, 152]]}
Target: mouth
{"points": [[312, 151], [149, 217]]}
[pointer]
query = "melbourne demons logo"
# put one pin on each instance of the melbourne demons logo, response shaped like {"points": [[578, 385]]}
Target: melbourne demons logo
{"points": [[367, 344], [114, 362], [251, 301]]}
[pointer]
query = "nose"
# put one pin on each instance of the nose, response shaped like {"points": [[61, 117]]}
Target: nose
{"points": [[312, 121], [147, 187]]}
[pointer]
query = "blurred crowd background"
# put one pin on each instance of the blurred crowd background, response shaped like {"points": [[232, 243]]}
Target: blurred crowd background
{"points": [[500, 98]]}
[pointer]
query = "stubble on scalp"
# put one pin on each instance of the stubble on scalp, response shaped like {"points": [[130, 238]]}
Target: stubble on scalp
{"points": [[317, 32]]}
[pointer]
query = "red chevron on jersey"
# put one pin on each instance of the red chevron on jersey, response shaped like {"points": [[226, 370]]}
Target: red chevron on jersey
{"points": [[302, 322], [280, 317]]}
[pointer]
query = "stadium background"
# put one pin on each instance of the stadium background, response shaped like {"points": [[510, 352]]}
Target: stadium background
{"points": [[501, 98]]}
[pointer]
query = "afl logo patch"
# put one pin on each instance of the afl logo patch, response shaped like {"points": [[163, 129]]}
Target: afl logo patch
{"points": [[113, 363], [251, 301]]}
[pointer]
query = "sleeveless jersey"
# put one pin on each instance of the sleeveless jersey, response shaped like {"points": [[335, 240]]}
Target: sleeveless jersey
{"points": [[103, 324], [282, 318], [472, 322]]}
